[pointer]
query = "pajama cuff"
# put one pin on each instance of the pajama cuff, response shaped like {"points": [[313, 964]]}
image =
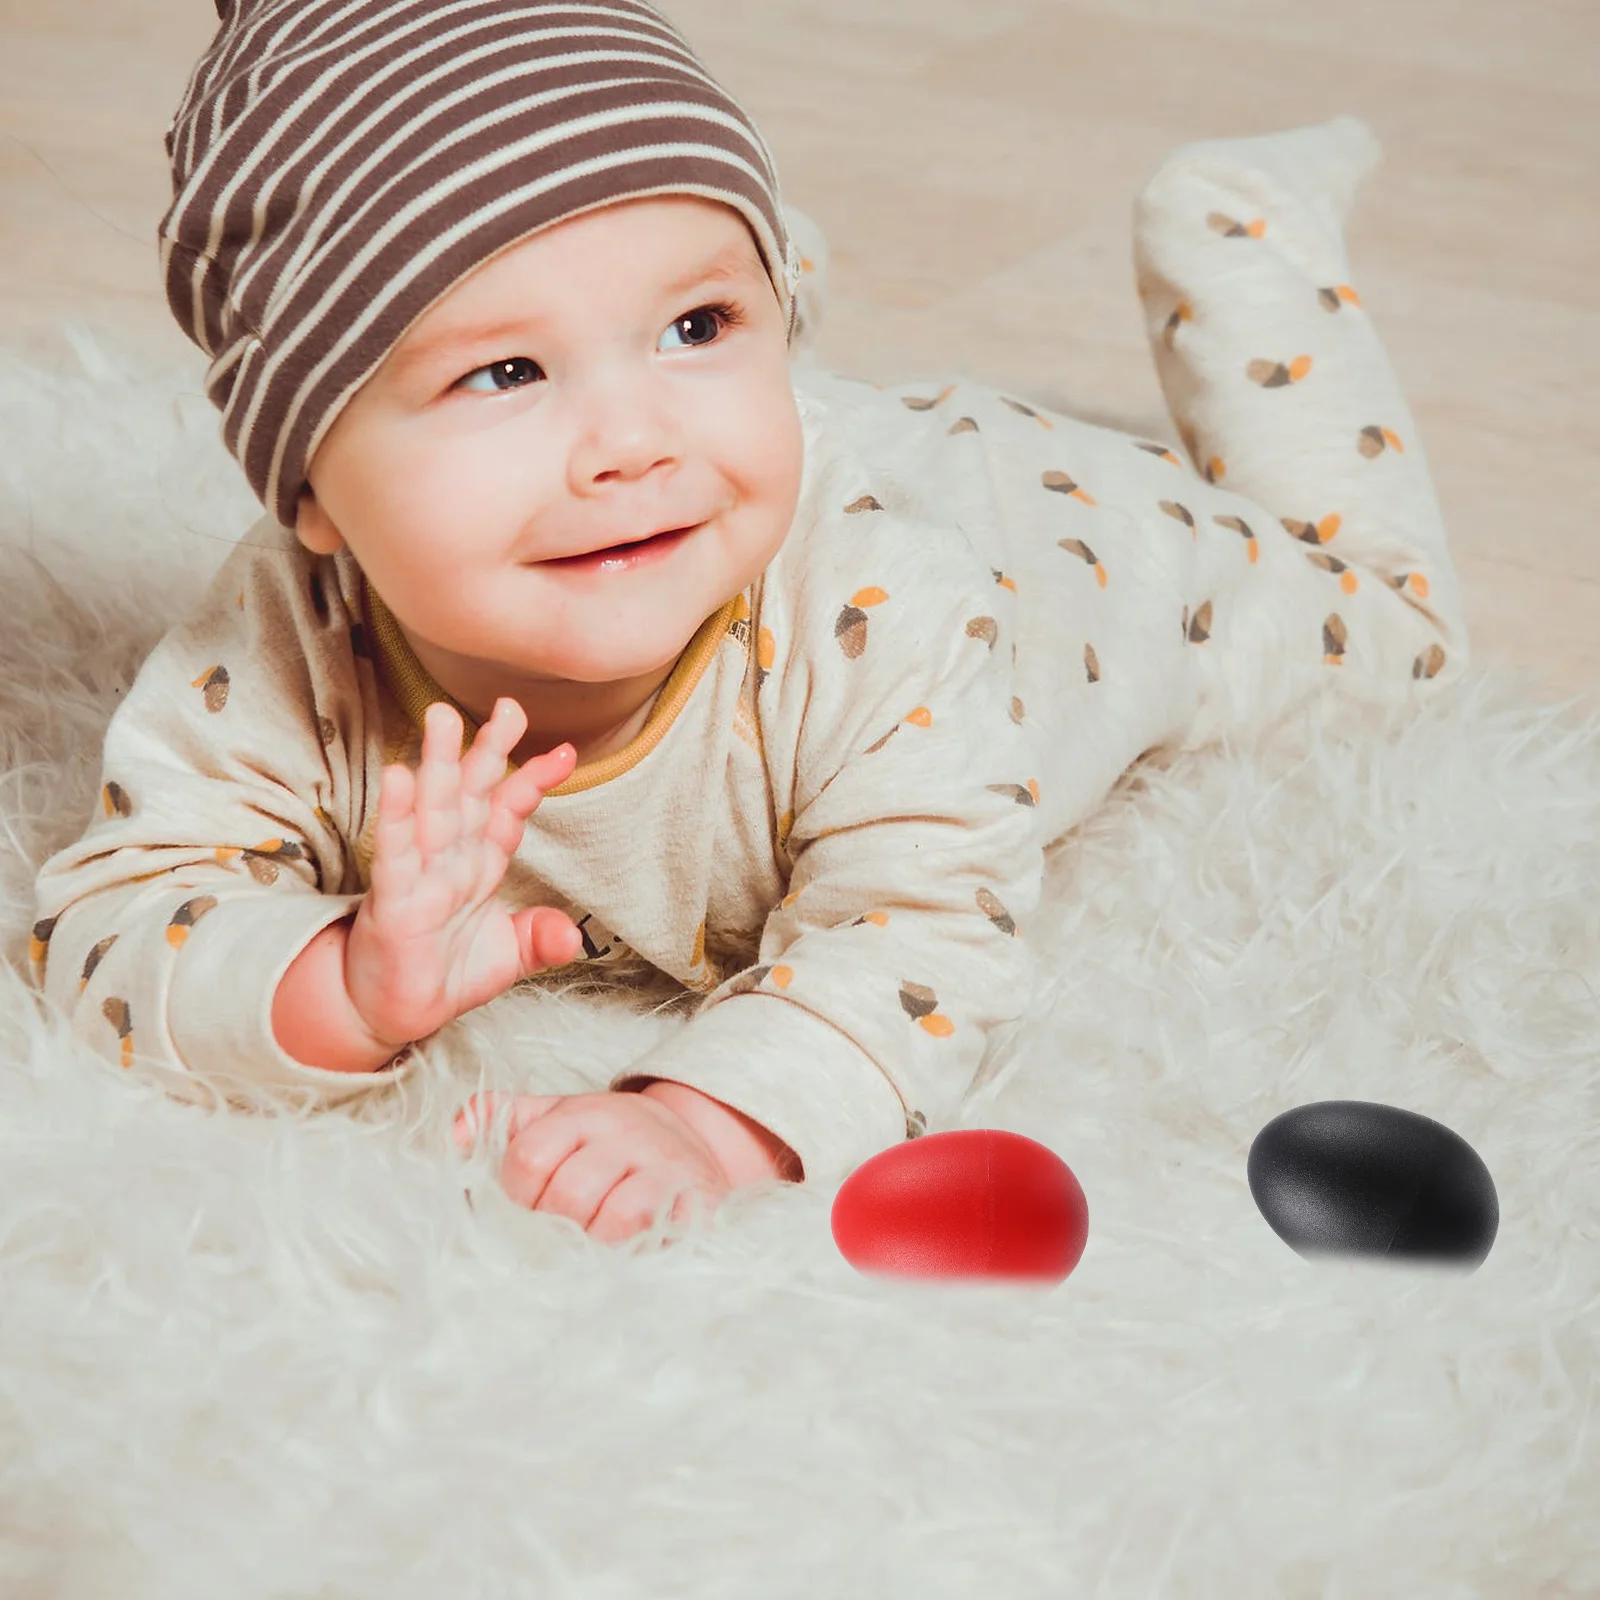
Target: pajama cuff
{"points": [[219, 1006], [797, 1075]]}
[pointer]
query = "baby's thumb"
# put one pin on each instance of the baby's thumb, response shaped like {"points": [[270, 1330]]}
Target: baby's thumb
{"points": [[545, 938]]}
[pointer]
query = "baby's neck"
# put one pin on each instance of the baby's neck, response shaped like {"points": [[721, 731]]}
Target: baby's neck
{"points": [[594, 746]]}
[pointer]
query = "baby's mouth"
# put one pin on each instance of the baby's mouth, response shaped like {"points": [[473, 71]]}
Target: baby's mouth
{"points": [[616, 552]]}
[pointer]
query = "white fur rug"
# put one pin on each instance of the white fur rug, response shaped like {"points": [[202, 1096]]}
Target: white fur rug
{"points": [[250, 1357]]}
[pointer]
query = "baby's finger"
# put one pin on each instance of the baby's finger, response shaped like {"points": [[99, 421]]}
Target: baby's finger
{"points": [[395, 862], [535, 1154], [631, 1207], [483, 764], [518, 795], [438, 797], [521, 791], [580, 1183], [546, 937], [476, 1116]]}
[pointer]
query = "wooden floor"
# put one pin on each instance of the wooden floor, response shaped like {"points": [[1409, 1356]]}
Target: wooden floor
{"points": [[973, 166]]}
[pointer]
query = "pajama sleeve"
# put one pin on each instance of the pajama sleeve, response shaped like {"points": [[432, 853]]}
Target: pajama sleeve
{"points": [[213, 856], [915, 854]]}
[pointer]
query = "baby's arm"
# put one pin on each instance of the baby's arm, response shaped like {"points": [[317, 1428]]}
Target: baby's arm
{"points": [[225, 954], [212, 861]]}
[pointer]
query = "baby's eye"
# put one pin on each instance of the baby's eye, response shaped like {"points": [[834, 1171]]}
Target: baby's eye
{"points": [[717, 317], [515, 372]]}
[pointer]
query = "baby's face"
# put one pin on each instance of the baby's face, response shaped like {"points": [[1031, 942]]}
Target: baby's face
{"points": [[577, 392]]}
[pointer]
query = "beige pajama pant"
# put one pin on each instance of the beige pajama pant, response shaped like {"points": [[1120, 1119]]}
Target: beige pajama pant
{"points": [[1317, 540]]}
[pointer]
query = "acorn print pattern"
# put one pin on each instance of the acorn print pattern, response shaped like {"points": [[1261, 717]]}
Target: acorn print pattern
{"points": [[1407, 584], [1242, 528], [1180, 513], [865, 502], [920, 718], [1314, 532], [1336, 296], [920, 1003], [1082, 551], [1373, 441], [1062, 483], [119, 1015], [989, 905], [850, 628], [1229, 228], [985, 628], [261, 861], [93, 960], [1181, 313], [114, 800], [1429, 663], [214, 684], [1279, 374], [1348, 581], [1024, 794], [185, 917], [1091, 664], [914, 403], [1334, 635], [39, 940], [963, 425], [754, 977], [1160, 451], [1028, 411]]}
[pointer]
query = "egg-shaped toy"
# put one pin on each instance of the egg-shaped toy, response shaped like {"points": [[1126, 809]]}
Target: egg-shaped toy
{"points": [[1354, 1177], [967, 1203]]}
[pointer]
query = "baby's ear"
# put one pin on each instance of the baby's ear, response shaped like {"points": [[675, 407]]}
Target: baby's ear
{"points": [[313, 526]]}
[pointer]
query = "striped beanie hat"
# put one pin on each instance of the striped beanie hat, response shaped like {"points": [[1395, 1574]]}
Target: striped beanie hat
{"points": [[338, 165]]}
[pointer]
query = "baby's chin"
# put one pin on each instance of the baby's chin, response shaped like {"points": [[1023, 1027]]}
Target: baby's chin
{"points": [[611, 654]]}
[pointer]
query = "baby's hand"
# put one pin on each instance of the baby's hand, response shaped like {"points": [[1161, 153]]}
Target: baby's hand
{"points": [[431, 940], [606, 1160]]}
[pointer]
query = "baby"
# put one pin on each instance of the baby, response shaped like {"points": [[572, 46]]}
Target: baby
{"points": [[586, 625]]}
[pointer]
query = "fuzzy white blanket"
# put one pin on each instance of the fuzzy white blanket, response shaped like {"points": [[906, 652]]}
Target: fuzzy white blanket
{"points": [[244, 1356]]}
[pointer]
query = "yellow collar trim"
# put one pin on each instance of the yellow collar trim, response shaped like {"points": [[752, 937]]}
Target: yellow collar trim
{"points": [[415, 689]]}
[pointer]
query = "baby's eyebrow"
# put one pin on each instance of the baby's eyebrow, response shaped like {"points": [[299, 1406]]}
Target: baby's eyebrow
{"points": [[729, 265]]}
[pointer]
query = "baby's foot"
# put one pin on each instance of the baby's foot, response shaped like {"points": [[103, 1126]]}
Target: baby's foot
{"points": [[1303, 178], [1326, 160]]}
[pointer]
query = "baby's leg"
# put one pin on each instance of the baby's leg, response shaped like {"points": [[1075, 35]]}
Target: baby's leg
{"points": [[1282, 394]]}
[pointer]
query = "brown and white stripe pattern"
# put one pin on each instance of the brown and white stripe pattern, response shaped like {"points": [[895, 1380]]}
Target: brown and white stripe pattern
{"points": [[338, 165]]}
